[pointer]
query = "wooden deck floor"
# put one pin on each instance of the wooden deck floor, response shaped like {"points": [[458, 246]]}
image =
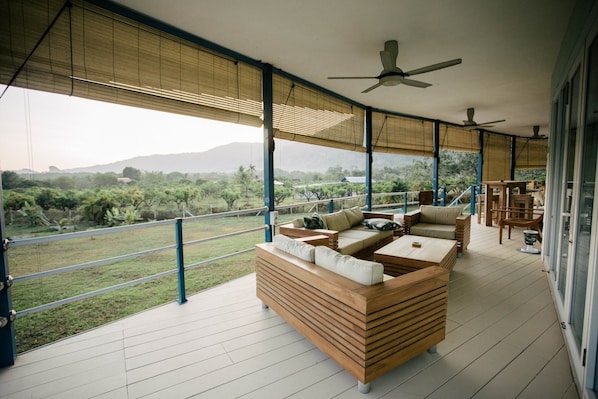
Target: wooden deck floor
{"points": [[503, 341]]}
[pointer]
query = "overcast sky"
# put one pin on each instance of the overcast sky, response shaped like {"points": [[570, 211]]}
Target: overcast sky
{"points": [[39, 130]]}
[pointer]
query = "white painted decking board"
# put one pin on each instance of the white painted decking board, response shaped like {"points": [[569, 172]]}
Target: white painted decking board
{"points": [[503, 341]]}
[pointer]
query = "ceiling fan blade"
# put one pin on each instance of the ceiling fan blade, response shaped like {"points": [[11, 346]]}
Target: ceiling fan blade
{"points": [[392, 47], [352, 77], [388, 62], [372, 87], [415, 83], [485, 124], [434, 67]]}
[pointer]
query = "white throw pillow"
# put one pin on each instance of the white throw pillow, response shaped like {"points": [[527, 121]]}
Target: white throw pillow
{"points": [[361, 271], [294, 247]]}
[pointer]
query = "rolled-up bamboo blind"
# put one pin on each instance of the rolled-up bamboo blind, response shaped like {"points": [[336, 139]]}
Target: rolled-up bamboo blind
{"points": [[96, 54]]}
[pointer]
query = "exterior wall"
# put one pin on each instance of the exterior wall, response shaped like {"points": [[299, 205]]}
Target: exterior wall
{"points": [[572, 126]]}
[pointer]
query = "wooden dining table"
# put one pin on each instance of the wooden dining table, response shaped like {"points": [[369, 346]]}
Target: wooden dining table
{"points": [[505, 188]]}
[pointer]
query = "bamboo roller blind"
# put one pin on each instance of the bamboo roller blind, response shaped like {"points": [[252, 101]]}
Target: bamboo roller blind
{"points": [[304, 114], [497, 157], [96, 54], [456, 138], [402, 135], [531, 153]]}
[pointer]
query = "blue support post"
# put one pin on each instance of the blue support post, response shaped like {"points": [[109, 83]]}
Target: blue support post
{"points": [[480, 161], [369, 158], [472, 200], [436, 161], [268, 147], [8, 343], [180, 260], [404, 202]]}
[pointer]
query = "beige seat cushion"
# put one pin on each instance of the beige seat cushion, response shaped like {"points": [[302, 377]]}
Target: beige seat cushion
{"points": [[369, 237], [354, 215], [445, 231], [349, 245], [438, 215], [336, 221]]}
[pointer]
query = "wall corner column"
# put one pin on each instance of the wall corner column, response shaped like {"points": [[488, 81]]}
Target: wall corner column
{"points": [[267, 100], [436, 161], [8, 345], [369, 158]]}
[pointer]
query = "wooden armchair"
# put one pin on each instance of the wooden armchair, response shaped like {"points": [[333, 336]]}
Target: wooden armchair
{"points": [[440, 222], [514, 217]]}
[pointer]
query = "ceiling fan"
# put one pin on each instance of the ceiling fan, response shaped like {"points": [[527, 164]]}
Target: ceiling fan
{"points": [[537, 135], [471, 124], [392, 75]]}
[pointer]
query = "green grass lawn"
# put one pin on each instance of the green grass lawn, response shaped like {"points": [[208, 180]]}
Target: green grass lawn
{"points": [[47, 326]]}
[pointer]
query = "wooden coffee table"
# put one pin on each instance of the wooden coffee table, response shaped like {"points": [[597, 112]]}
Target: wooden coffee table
{"points": [[401, 257]]}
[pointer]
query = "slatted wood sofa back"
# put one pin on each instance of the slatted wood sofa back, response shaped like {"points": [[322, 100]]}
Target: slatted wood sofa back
{"points": [[368, 330]]}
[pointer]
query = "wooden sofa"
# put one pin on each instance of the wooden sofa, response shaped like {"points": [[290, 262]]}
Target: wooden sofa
{"points": [[439, 222], [344, 240], [368, 330]]}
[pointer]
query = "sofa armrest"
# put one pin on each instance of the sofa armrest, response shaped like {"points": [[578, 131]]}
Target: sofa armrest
{"points": [[382, 215], [299, 232], [320, 239], [463, 231], [410, 219]]}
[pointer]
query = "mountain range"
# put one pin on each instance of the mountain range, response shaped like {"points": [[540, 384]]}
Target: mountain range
{"points": [[288, 156]]}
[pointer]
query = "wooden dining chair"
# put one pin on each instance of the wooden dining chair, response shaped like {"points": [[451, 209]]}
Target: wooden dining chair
{"points": [[511, 218]]}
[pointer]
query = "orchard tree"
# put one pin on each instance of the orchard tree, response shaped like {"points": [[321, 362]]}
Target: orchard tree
{"points": [[153, 196], [132, 197], [14, 200], [11, 180], [419, 175], [153, 178], [102, 180], [230, 196], [64, 182], [132, 173], [210, 189], [306, 192], [46, 198], [281, 193], [68, 200], [95, 206], [245, 178]]}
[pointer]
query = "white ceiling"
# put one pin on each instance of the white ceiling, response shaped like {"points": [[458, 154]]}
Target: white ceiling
{"points": [[508, 47]]}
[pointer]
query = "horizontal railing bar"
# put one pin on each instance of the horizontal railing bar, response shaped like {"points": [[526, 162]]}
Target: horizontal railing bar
{"points": [[225, 214], [67, 236], [91, 264], [90, 294], [205, 262], [236, 233], [117, 229], [326, 201]]}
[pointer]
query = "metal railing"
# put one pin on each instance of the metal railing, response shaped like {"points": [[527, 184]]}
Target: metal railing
{"points": [[471, 191], [178, 247]]}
